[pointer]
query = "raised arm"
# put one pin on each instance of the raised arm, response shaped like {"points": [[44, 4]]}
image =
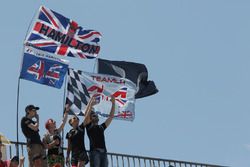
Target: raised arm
{"points": [[91, 103], [21, 162], [112, 112], [65, 117]]}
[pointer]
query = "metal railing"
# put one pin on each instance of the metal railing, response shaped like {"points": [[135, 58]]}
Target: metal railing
{"points": [[125, 160]]}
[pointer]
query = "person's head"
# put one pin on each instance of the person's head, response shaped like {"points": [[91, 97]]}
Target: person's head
{"points": [[94, 117], [50, 125], [37, 160], [74, 121], [14, 162], [31, 110]]}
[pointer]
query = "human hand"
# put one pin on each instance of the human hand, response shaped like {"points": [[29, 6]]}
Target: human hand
{"points": [[22, 158], [57, 141], [94, 100], [67, 108], [36, 116]]}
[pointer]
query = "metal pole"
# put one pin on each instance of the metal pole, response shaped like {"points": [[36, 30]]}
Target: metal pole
{"points": [[64, 96], [17, 118]]}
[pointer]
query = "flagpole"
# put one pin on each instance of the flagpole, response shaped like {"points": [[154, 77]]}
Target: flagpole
{"points": [[17, 105], [17, 118], [18, 91], [64, 96], [95, 65]]}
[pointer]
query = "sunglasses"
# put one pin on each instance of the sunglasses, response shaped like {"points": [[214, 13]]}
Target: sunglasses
{"points": [[94, 115]]}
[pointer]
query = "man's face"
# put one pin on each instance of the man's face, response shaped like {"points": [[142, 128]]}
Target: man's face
{"points": [[94, 118], [32, 112], [74, 121]]}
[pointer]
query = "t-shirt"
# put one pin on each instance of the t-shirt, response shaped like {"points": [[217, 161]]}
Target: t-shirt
{"points": [[76, 137], [32, 136], [96, 136], [57, 149]]}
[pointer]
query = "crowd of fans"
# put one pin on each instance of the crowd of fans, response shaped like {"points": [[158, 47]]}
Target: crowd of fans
{"points": [[48, 151]]}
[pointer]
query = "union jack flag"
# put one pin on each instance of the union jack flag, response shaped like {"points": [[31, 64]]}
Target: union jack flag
{"points": [[54, 33]]}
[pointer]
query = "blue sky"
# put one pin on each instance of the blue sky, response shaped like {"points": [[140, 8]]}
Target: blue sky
{"points": [[197, 52]]}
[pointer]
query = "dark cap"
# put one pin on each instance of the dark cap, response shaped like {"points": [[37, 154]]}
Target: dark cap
{"points": [[31, 107], [15, 159]]}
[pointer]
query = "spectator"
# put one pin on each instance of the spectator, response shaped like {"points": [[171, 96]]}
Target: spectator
{"points": [[98, 152], [52, 140], [75, 138], [37, 160], [30, 130], [2, 163], [13, 162]]}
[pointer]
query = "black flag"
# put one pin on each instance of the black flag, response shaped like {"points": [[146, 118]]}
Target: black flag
{"points": [[135, 72]]}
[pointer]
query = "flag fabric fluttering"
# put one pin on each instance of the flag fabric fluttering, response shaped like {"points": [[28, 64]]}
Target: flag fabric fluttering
{"points": [[82, 85], [135, 72], [57, 34], [77, 93], [42, 68]]}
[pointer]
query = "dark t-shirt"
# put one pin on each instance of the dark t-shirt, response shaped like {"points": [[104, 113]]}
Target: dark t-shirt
{"points": [[76, 137], [96, 136], [32, 136]]}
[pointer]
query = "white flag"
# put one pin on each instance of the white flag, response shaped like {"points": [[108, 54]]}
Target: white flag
{"points": [[103, 86]]}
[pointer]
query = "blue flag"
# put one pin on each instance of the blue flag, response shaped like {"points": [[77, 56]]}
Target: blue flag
{"points": [[41, 68]]}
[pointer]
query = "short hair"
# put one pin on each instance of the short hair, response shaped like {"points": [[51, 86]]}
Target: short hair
{"points": [[48, 122], [70, 120], [15, 159]]}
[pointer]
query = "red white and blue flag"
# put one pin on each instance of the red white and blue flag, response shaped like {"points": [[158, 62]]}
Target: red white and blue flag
{"points": [[54, 33], [41, 68], [83, 85]]}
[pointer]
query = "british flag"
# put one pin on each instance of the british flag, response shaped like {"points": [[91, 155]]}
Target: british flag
{"points": [[54, 33]]}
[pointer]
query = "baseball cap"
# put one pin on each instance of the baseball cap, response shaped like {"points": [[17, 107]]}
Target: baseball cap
{"points": [[31, 107]]}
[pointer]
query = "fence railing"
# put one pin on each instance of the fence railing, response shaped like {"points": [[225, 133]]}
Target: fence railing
{"points": [[124, 160]]}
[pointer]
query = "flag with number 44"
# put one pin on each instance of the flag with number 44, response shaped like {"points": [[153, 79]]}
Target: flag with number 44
{"points": [[42, 68]]}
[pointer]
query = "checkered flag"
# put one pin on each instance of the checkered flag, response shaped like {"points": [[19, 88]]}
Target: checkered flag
{"points": [[77, 93]]}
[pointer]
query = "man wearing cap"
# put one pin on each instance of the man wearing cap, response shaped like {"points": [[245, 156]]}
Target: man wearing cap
{"points": [[30, 129]]}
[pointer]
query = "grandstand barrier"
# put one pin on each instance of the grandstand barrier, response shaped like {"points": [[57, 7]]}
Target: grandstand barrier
{"points": [[122, 160]]}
